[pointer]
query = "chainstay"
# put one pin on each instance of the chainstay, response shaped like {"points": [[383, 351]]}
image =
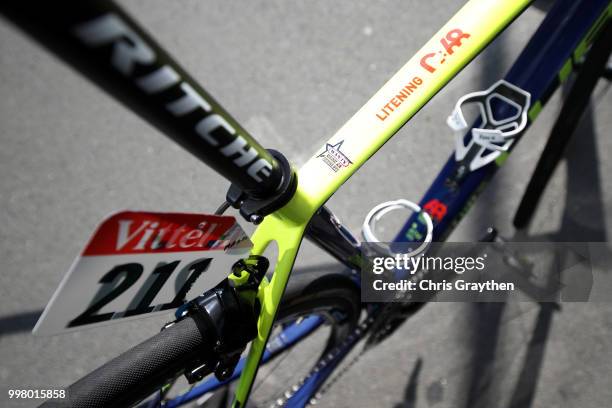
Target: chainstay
{"points": [[336, 353]]}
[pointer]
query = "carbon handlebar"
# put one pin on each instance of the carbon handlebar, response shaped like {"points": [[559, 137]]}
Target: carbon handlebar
{"points": [[210, 335], [140, 371]]}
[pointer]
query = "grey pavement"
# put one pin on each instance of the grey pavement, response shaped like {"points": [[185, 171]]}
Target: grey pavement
{"points": [[292, 73]]}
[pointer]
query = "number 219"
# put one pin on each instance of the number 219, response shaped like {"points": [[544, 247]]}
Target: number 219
{"points": [[122, 277]]}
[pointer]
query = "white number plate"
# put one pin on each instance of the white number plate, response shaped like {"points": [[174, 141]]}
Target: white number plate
{"points": [[141, 263]]}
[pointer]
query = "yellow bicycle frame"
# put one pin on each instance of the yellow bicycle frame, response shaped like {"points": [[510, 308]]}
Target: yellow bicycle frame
{"points": [[430, 69]]}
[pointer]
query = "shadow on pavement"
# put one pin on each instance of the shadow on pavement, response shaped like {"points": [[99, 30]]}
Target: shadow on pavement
{"points": [[483, 385], [19, 323], [581, 160], [410, 393]]}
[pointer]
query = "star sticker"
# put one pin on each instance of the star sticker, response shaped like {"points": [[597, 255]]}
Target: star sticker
{"points": [[335, 149]]}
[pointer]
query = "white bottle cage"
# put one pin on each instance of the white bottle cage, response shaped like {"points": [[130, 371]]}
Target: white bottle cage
{"points": [[376, 213], [495, 135]]}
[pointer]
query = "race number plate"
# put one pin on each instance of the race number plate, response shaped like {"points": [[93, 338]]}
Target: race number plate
{"points": [[141, 263]]}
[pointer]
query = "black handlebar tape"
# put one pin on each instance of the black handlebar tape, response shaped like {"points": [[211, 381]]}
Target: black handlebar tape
{"points": [[107, 46], [138, 372]]}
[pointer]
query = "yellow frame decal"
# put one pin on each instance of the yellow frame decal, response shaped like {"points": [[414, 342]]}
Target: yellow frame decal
{"points": [[470, 30]]}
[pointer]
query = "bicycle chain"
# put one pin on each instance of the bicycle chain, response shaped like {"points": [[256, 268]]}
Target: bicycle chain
{"points": [[357, 334]]}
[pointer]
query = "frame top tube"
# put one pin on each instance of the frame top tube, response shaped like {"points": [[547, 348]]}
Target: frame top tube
{"points": [[440, 59]]}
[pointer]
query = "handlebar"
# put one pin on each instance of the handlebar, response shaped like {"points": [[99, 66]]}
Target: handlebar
{"points": [[209, 336], [140, 371]]}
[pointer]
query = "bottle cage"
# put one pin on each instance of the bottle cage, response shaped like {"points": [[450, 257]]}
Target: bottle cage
{"points": [[376, 213], [503, 116]]}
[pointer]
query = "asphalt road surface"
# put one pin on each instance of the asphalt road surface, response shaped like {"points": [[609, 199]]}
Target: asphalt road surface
{"points": [[292, 73]]}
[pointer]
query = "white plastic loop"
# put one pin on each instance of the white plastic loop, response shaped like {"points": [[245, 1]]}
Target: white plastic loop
{"points": [[376, 213]]}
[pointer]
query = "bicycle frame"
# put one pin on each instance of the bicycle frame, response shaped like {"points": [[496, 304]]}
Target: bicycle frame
{"points": [[558, 44], [539, 69], [457, 42]]}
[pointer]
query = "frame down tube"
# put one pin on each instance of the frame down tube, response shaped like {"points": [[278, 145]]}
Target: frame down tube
{"points": [[442, 57], [555, 48]]}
